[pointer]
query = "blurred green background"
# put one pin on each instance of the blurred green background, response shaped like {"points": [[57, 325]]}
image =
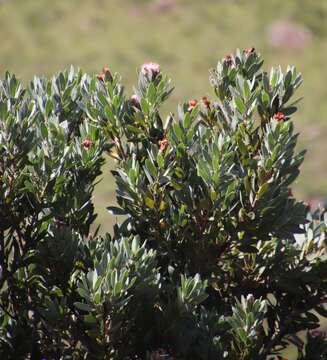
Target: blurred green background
{"points": [[186, 37]]}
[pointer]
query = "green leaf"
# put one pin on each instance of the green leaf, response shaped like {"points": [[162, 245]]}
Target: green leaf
{"points": [[162, 206], [246, 90], [83, 293], [90, 319], [177, 186], [151, 93], [117, 288], [48, 108], [265, 98], [160, 160], [44, 131], [110, 114], [246, 183], [134, 130], [178, 132], [179, 172], [203, 171], [151, 168], [288, 79], [149, 203], [187, 120], [213, 195], [83, 306], [145, 106], [3, 110], [262, 190], [103, 99], [240, 105], [273, 77]]}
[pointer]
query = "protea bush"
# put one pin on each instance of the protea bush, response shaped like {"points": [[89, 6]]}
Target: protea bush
{"points": [[211, 258]]}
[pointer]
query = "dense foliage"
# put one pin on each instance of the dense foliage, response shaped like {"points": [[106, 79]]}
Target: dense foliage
{"points": [[212, 258]]}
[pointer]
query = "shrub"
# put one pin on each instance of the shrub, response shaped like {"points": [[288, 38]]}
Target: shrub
{"points": [[213, 259]]}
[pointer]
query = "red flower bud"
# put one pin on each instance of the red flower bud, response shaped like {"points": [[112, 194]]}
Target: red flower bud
{"points": [[162, 224], [151, 68], [101, 77], [105, 73], [279, 116], [228, 59], [206, 101], [249, 50], [163, 144], [192, 104], [87, 143]]}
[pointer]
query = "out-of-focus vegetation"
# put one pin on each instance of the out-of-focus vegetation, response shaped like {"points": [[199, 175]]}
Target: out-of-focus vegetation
{"points": [[185, 37]]}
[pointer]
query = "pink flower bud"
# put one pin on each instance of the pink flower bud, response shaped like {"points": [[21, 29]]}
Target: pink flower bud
{"points": [[151, 68], [249, 50], [135, 101], [87, 143], [105, 72], [163, 144], [279, 116], [101, 77], [192, 104]]}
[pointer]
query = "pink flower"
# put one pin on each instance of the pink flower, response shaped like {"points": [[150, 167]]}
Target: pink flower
{"points": [[279, 116], [163, 144], [103, 73], [151, 68], [87, 143], [135, 101], [249, 50], [101, 77], [192, 104]]}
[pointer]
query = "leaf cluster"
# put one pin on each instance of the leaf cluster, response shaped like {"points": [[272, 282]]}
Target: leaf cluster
{"points": [[214, 257]]}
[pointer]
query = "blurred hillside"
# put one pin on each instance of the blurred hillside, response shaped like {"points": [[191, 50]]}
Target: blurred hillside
{"points": [[186, 37]]}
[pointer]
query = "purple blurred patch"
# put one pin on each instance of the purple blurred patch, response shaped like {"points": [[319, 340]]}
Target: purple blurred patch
{"points": [[162, 6], [315, 203], [288, 35]]}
